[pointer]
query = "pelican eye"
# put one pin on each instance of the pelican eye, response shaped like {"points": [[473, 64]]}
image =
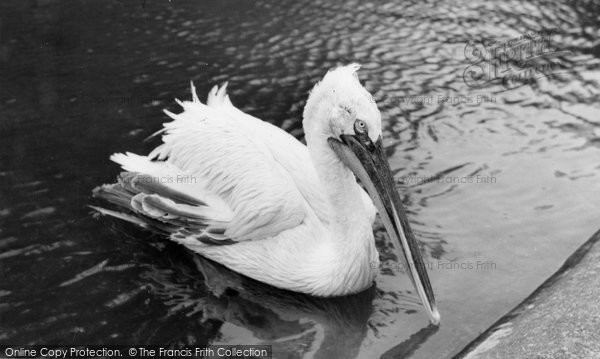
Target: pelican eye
{"points": [[360, 127]]}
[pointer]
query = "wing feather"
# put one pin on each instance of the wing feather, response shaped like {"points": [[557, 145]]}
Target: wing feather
{"points": [[210, 162]]}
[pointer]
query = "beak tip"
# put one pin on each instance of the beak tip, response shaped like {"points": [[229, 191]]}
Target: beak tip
{"points": [[435, 317]]}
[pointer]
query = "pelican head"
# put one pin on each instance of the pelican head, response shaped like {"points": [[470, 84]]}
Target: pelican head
{"points": [[341, 112]]}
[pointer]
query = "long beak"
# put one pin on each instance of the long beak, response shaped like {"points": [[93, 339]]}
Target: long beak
{"points": [[369, 163]]}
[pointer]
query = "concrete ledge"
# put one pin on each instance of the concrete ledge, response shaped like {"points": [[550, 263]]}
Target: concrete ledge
{"points": [[561, 319]]}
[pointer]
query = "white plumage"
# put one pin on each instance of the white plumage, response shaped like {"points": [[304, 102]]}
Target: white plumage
{"points": [[248, 195]]}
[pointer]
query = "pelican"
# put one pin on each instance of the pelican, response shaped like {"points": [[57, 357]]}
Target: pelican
{"points": [[246, 194]]}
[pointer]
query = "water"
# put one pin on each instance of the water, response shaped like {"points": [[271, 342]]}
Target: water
{"points": [[80, 81]]}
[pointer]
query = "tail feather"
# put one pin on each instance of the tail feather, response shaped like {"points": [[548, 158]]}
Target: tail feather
{"points": [[114, 193], [121, 215], [138, 182], [151, 205]]}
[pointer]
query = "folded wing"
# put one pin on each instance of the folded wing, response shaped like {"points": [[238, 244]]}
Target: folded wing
{"points": [[211, 178]]}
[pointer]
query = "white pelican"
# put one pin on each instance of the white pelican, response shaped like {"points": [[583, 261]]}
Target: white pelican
{"points": [[248, 195]]}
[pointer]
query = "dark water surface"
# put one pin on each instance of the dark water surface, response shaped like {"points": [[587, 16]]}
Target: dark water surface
{"points": [[81, 80]]}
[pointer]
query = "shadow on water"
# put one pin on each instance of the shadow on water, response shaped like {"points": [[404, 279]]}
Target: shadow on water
{"points": [[409, 346], [295, 324]]}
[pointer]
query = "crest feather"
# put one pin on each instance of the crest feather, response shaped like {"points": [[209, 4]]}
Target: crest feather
{"points": [[348, 70], [339, 77]]}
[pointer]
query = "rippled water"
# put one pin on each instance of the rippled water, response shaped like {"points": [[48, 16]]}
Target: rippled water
{"points": [[79, 81]]}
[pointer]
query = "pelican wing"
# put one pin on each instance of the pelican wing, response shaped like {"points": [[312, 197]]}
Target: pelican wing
{"points": [[286, 150], [211, 178]]}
